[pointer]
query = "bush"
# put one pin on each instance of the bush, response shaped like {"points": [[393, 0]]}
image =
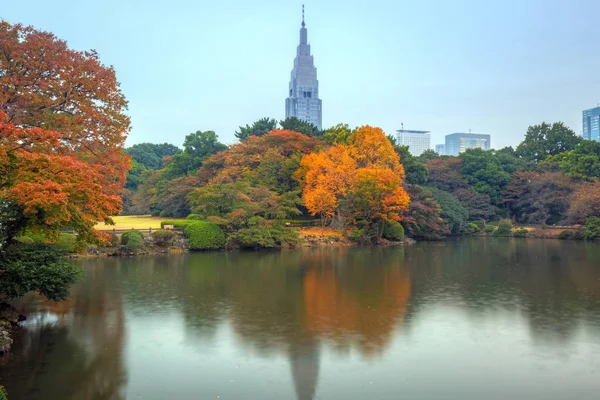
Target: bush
{"points": [[127, 236], [263, 234], [393, 231], [480, 224], [39, 267], [504, 228], [3, 395], [489, 228], [592, 228], [521, 233], [565, 235], [205, 236], [114, 240], [472, 228], [357, 235], [135, 242], [193, 217], [177, 223], [163, 238]]}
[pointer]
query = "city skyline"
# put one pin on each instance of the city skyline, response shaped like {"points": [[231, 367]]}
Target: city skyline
{"points": [[490, 69]]}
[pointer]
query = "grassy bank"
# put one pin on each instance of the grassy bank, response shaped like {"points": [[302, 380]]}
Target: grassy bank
{"points": [[133, 222]]}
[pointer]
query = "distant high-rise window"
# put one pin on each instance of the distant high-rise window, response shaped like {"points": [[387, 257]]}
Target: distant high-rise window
{"points": [[591, 124], [457, 143]]}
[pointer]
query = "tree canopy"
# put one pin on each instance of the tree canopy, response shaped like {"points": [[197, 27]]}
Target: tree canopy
{"points": [[546, 140], [61, 140], [258, 128]]}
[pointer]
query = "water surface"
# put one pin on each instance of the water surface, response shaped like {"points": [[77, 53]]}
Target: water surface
{"points": [[468, 319]]}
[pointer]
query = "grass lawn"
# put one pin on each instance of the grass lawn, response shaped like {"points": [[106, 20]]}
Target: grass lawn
{"points": [[133, 222]]}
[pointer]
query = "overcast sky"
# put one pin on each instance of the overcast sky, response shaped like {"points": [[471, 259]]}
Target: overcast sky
{"points": [[444, 66]]}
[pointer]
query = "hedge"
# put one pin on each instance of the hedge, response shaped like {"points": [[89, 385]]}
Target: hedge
{"points": [[177, 223], [393, 231], [205, 235], [127, 236]]}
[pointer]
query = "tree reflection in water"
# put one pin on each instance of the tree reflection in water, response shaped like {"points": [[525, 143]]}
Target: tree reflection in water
{"points": [[304, 305]]}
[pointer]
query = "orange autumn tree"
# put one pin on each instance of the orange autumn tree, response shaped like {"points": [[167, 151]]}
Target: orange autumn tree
{"points": [[358, 181], [62, 130]]}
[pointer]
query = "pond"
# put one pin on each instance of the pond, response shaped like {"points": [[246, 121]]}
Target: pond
{"points": [[466, 319]]}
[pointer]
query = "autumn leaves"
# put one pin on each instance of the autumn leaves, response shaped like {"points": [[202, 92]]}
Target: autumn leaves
{"points": [[360, 180]]}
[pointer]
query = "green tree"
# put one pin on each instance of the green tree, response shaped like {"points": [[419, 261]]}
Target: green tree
{"points": [[428, 155], [196, 148], [134, 175], [583, 162], [297, 125], [258, 128], [416, 171], [453, 213], [151, 155], [337, 134], [546, 140], [484, 173]]}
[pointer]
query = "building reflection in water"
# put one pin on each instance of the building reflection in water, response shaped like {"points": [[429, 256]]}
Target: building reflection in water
{"points": [[301, 304]]}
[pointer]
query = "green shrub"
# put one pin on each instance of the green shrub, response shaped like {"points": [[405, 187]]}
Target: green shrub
{"points": [[566, 235], [3, 395], [193, 217], [578, 235], [261, 234], [39, 267], [357, 235], [472, 228], [127, 236], [163, 238], [67, 242], [489, 228], [177, 223], [504, 228], [480, 224], [592, 228], [393, 231], [134, 242], [521, 233], [205, 236], [25, 239]]}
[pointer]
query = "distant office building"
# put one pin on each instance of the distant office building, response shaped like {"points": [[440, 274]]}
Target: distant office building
{"points": [[303, 98], [456, 143], [417, 141], [591, 124], [440, 149]]}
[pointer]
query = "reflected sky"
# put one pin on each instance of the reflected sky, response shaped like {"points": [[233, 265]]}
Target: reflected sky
{"points": [[480, 318]]}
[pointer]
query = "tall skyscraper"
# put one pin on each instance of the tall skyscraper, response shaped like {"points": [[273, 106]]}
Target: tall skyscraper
{"points": [[456, 143], [591, 124], [303, 101], [417, 141]]}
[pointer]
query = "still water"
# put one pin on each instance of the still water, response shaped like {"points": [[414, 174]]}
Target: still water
{"points": [[469, 319]]}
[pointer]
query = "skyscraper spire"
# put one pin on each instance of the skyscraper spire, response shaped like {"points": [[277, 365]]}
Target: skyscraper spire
{"points": [[303, 100]]}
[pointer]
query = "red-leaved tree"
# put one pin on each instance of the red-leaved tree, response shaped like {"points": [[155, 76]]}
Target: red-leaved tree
{"points": [[62, 130]]}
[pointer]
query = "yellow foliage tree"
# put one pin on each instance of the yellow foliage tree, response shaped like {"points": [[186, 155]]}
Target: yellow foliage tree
{"points": [[360, 180]]}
